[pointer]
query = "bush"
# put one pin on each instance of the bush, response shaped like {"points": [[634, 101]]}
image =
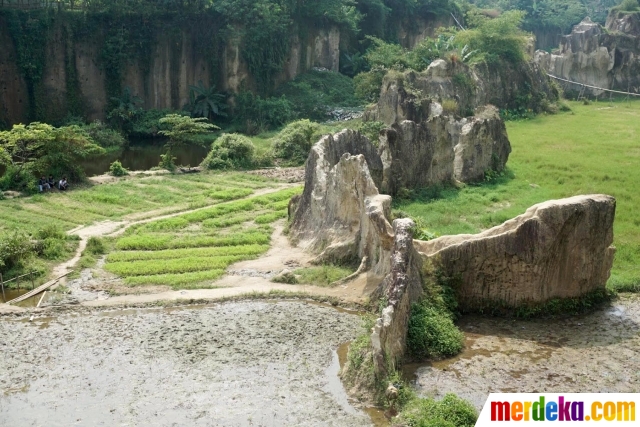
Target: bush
{"points": [[167, 161], [315, 93], [50, 232], [255, 114], [104, 136], [293, 143], [450, 106], [96, 246], [628, 6], [451, 411], [18, 180], [53, 248], [15, 247], [230, 151], [116, 169], [367, 85], [432, 333]]}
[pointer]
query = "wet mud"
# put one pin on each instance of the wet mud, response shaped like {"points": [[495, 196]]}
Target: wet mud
{"points": [[598, 352], [232, 364]]}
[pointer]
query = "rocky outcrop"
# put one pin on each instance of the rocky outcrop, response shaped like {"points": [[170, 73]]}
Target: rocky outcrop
{"points": [[557, 249], [401, 287], [341, 216], [591, 55], [410, 95], [442, 149]]}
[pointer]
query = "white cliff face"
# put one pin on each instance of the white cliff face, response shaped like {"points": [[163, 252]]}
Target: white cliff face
{"points": [[605, 58]]}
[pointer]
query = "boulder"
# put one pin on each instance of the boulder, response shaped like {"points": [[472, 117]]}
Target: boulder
{"points": [[443, 149], [480, 144], [556, 249]]}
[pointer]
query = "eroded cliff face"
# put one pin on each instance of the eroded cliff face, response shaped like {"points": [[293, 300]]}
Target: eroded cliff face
{"points": [[74, 78], [605, 58], [14, 96]]}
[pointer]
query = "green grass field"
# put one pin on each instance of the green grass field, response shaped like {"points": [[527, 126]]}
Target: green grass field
{"points": [[193, 249], [594, 149]]}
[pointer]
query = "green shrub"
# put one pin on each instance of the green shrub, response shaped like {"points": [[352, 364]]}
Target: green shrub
{"points": [[372, 130], [255, 114], [53, 248], [367, 85], [230, 151], [50, 231], [628, 6], [18, 180], [293, 143], [450, 106], [167, 161], [104, 136], [116, 169], [96, 246], [432, 333], [451, 411], [15, 247], [314, 93]]}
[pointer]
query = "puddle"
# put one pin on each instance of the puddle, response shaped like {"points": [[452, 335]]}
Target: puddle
{"points": [[598, 352], [334, 384], [15, 293]]}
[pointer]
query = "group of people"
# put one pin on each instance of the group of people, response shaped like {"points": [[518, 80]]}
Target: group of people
{"points": [[45, 184]]}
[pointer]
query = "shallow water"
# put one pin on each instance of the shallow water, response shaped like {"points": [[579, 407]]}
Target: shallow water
{"points": [[10, 294], [144, 156], [598, 352], [233, 364]]}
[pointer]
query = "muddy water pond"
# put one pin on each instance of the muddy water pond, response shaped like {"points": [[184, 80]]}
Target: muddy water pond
{"points": [[598, 352], [232, 364], [10, 294], [144, 156]]}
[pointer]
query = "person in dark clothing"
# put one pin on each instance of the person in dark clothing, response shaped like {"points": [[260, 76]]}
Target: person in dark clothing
{"points": [[43, 184], [51, 182]]}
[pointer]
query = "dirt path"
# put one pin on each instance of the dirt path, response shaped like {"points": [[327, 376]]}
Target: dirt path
{"points": [[253, 276], [117, 228]]}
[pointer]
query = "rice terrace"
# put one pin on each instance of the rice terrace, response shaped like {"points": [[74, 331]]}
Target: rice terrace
{"points": [[329, 213]]}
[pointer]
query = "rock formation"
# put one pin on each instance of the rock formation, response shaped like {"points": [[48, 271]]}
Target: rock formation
{"points": [[591, 55], [341, 216], [441, 149], [410, 95], [557, 249]]}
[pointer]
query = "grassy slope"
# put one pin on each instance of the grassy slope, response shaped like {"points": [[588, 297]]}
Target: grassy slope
{"points": [[113, 201], [595, 149]]}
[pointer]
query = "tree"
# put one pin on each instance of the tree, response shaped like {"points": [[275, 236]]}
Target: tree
{"points": [[41, 149], [206, 102], [182, 130]]}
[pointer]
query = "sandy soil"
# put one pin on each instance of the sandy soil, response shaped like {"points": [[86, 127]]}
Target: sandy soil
{"points": [[283, 174], [598, 352], [233, 364]]}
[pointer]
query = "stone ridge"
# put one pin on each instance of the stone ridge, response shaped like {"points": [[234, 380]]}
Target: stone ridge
{"points": [[557, 249]]}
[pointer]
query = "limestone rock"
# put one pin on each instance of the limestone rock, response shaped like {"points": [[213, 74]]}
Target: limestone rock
{"points": [[557, 249], [410, 95], [401, 287], [442, 149], [481, 144], [591, 56]]}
